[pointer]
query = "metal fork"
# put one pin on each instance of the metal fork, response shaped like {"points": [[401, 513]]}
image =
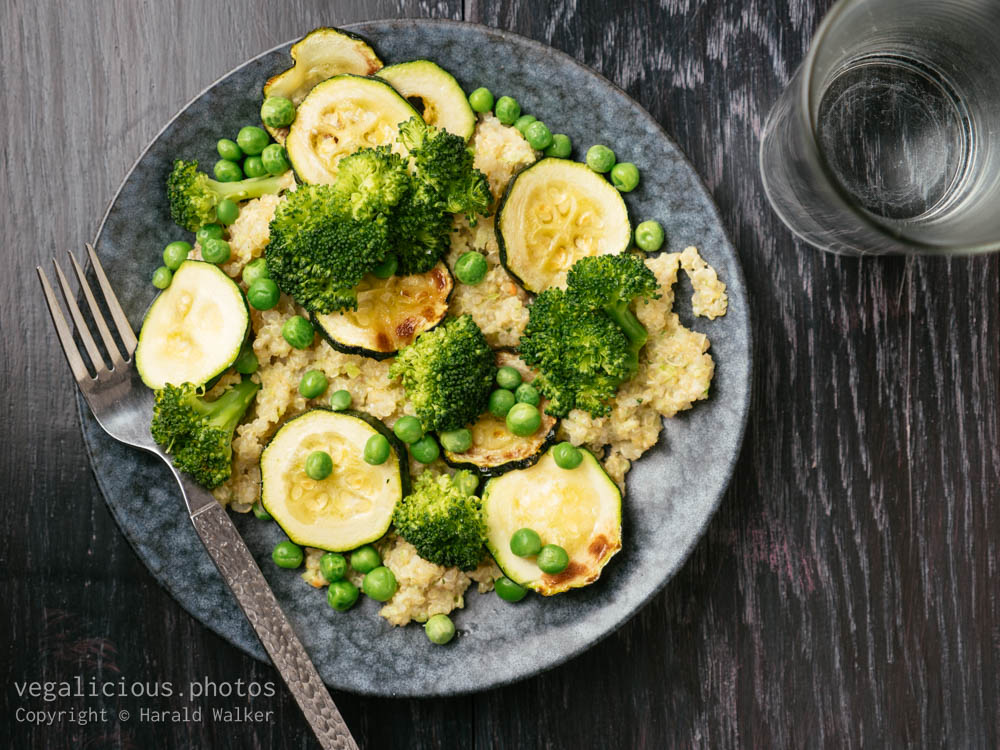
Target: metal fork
{"points": [[123, 405]]}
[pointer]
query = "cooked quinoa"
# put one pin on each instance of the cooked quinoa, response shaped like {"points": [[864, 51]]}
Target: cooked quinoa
{"points": [[675, 371], [426, 589]]}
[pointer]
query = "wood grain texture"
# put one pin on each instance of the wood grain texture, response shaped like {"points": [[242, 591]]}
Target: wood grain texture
{"points": [[845, 595]]}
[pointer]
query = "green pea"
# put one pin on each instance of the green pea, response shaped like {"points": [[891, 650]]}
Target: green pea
{"points": [[524, 419], [425, 450], [625, 176], [277, 112], [227, 171], [319, 465], [287, 555], [471, 267], [255, 269], [526, 393], [386, 268], [298, 331], [216, 251], [439, 629], [508, 590], [456, 441], [263, 294], [523, 122], [379, 584], [253, 166], [481, 100], [252, 139], [501, 400], [275, 159], [538, 135], [260, 512], [227, 211], [507, 110], [332, 566], [313, 384], [649, 236], [176, 253], [600, 158], [561, 147], [162, 277], [341, 595], [246, 363], [552, 559], [209, 232], [525, 543], [566, 455], [408, 429], [466, 481], [508, 377], [365, 559], [340, 400], [377, 450], [229, 150]]}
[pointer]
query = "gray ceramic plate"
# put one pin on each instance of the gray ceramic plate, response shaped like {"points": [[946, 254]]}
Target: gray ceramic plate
{"points": [[672, 491]]}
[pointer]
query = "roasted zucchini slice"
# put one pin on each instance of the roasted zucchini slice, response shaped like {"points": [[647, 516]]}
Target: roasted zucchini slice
{"points": [[579, 509], [553, 213], [320, 54], [194, 329], [354, 504], [435, 92], [495, 449], [391, 313], [339, 116]]}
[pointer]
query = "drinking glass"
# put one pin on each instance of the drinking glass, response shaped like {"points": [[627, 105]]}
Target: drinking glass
{"points": [[887, 139]]}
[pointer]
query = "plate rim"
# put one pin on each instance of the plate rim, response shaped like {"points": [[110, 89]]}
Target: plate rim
{"points": [[744, 405]]}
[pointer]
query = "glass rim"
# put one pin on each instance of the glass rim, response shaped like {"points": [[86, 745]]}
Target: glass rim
{"points": [[805, 111]]}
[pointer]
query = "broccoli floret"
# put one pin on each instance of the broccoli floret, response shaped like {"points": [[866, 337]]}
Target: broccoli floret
{"points": [[448, 374], [422, 233], [197, 433], [371, 182], [443, 165], [581, 355], [193, 195], [444, 523], [585, 341], [318, 251], [610, 283], [444, 182]]}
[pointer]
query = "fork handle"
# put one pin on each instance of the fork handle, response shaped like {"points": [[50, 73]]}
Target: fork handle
{"points": [[243, 576]]}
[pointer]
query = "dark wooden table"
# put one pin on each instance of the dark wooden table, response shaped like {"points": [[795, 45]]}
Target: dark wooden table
{"points": [[846, 594]]}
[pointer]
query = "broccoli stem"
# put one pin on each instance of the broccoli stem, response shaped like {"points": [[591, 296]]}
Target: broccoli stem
{"points": [[253, 187], [630, 325], [225, 412], [634, 331]]}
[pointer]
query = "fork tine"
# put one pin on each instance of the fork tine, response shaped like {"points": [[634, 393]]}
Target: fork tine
{"points": [[102, 327], [73, 358], [121, 322], [81, 325]]}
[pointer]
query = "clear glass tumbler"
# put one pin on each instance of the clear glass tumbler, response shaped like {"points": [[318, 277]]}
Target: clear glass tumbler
{"points": [[887, 139]]}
